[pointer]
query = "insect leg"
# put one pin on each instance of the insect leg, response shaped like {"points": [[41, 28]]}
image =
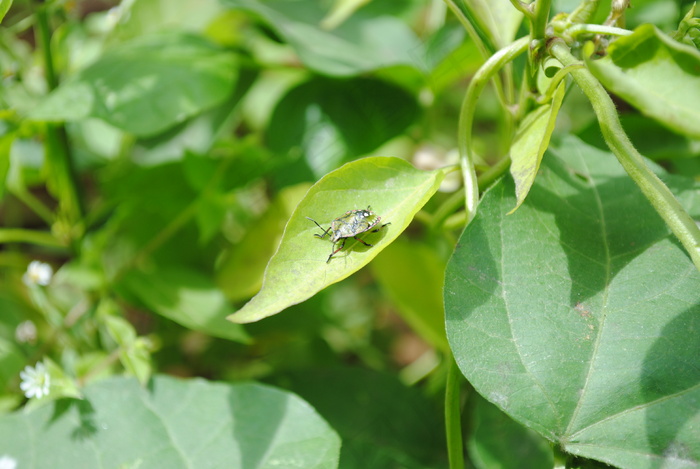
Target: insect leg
{"points": [[377, 229], [366, 244], [342, 244]]}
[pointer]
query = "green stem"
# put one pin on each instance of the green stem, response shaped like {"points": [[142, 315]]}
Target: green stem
{"points": [[678, 220], [453, 416], [58, 154], [466, 117], [554, 82], [587, 29], [540, 19], [36, 205], [19, 235]]}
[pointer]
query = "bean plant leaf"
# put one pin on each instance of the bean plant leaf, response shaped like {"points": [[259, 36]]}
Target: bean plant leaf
{"points": [[392, 187], [147, 85], [531, 141], [657, 75], [372, 38], [577, 315], [171, 424]]}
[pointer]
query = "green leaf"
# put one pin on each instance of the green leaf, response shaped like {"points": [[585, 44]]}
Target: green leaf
{"points": [[372, 38], [655, 74], [146, 86], [120, 330], [4, 7], [240, 273], [150, 16], [186, 297], [329, 122], [498, 18], [412, 275], [171, 424], [576, 315], [531, 141], [298, 270]]}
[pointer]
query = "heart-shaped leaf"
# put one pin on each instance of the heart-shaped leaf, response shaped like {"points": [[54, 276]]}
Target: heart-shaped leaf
{"points": [[578, 315], [392, 187], [171, 424]]}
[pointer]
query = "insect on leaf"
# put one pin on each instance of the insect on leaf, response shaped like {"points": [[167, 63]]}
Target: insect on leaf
{"points": [[299, 269]]}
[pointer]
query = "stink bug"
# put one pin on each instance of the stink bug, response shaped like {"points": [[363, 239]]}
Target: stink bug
{"points": [[350, 225]]}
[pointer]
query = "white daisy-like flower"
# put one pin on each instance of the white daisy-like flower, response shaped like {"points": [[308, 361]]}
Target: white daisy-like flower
{"points": [[7, 462], [38, 273], [25, 333], [36, 381]]}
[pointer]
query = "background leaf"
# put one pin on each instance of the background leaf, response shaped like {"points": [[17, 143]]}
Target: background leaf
{"points": [[655, 74], [412, 274], [495, 440], [576, 315], [146, 86], [171, 424], [329, 122], [186, 297], [374, 37], [298, 270], [383, 434]]}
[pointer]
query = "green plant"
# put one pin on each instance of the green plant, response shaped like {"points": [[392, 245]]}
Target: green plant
{"points": [[163, 160]]}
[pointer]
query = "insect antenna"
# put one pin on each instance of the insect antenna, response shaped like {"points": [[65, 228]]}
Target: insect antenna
{"points": [[325, 232]]}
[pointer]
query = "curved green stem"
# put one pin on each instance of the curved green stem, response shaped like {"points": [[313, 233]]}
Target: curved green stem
{"points": [[466, 117], [554, 82], [678, 220]]}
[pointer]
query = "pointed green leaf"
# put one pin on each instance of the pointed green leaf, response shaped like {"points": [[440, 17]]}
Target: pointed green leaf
{"points": [[657, 75], [298, 270], [577, 315], [531, 141], [171, 424]]}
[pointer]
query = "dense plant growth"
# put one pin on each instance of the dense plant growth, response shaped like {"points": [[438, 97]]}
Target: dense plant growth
{"points": [[190, 192]]}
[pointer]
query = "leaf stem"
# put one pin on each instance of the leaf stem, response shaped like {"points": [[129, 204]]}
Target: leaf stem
{"points": [[453, 420], [678, 220]]}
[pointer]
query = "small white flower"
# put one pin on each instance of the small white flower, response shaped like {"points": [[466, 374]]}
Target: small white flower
{"points": [[38, 273], [25, 333], [7, 462], [36, 381]]}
